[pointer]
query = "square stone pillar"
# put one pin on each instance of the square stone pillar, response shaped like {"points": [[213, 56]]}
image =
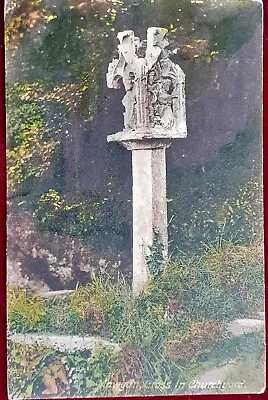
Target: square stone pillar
{"points": [[149, 200], [149, 209]]}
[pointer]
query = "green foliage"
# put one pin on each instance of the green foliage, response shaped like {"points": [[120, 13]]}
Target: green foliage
{"points": [[214, 208], [22, 118], [92, 218], [170, 327], [177, 277], [70, 58], [65, 70], [111, 309], [23, 16], [186, 301], [235, 277], [155, 259], [49, 211], [107, 372], [26, 364], [225, 282], [36, 371], [30, 149], [104, 306], [100, 367], [60, 319], [24, 312]]}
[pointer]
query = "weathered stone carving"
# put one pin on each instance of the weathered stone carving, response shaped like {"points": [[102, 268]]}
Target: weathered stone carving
{"points": [[155, 86], [154, 115]]}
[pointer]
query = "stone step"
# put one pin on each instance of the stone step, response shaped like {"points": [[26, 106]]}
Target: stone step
{"points": [[64, 342], [57, 294], [247, 325]]}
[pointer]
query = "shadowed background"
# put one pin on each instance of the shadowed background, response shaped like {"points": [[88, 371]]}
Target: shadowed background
{"points": [[69, 191]]}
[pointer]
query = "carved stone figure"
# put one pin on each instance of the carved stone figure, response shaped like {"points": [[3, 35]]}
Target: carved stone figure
{"points": [[155, 97]]}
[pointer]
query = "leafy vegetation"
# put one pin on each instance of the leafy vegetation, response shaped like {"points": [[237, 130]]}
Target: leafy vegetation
{"points": [[171, 329], [155, 259], [24, 312], [85, 218], [30, 147], [37, 371], [225, 282]]}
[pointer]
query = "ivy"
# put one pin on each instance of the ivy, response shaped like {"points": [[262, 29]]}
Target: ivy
{"points": [[155, 259]]}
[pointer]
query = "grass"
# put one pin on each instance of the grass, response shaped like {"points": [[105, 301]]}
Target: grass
{"points": [[226, 282], [172, 330]]}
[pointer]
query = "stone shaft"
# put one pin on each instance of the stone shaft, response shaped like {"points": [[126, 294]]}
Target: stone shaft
{"points": [[149, 209]]}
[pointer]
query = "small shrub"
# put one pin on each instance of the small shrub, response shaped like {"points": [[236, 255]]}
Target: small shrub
{"points": [[60, 319], [102, 303], [86, 303]]}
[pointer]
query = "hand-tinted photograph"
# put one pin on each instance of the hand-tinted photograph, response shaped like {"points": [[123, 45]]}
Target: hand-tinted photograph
{"points": [[134, 198]]}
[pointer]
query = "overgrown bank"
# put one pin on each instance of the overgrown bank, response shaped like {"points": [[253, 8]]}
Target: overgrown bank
{"points": [[172, 325]]}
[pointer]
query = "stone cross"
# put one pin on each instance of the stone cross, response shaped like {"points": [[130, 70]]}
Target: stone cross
{"points": [[154, 114]]}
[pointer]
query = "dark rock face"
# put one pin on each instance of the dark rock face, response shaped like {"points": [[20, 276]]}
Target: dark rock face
{"points": [[223, 96], [224, 106], [44, 260], [218, 111]]}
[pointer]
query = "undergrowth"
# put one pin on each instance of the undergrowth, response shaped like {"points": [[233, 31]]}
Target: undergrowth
{"points": [[225, 282], [172, 325], [36, 371]]}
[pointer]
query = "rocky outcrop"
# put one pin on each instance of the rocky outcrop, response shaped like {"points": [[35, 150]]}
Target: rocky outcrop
{"points": [[41, 261]]}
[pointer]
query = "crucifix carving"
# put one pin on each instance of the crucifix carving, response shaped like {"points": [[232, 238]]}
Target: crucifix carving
{"points": [[155, 86]]}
